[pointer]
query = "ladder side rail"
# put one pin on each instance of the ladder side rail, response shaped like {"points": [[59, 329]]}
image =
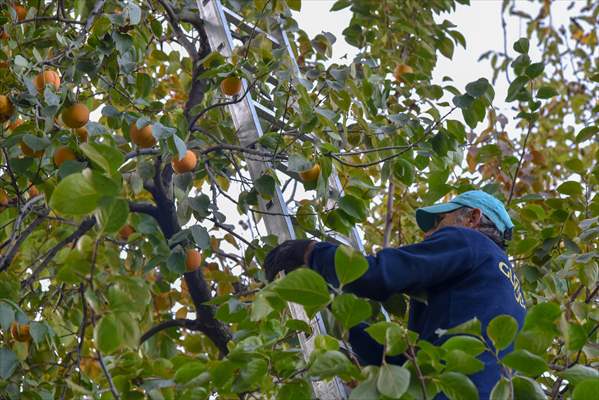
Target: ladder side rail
{"points": [[278, 221]]}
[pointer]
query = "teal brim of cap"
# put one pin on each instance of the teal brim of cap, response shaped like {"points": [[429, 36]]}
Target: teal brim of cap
{"points": [[426, 217]]}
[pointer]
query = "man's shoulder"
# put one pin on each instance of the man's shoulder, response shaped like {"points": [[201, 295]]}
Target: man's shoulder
{"points": [[468, 236]]}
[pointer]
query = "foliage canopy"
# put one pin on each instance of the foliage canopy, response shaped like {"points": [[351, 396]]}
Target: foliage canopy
{"points": [[97, 296]]}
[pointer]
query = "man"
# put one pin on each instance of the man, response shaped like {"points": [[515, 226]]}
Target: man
{"points": [[461, 266]]}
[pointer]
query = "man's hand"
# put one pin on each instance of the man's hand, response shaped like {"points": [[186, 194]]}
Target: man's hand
{"points": [[286, 257]]}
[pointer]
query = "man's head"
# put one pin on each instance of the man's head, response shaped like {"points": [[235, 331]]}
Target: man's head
{"points": [[474, 209]]}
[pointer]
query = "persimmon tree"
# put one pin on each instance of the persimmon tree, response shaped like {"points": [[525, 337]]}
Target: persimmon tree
{"points": [[125, 274]]}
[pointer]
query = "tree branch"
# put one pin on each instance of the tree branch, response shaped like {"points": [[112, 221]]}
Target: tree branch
{"points": [[182, 323], [85, 226], [52, 19], [205, 317], [10, 254], [509, 200], [173, 19]]}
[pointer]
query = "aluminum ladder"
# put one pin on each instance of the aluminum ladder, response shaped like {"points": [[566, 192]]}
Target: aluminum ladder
{"points": [[245, 114]]}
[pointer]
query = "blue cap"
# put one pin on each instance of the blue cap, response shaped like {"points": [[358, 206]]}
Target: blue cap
{"points": [[491, 208]]}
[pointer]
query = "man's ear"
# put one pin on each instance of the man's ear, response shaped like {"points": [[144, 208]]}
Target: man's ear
{"points": [[475, 218]]}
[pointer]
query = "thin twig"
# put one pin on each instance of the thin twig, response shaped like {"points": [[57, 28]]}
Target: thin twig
{"points": [[85, 226], [108, 376], [522, 152], [389, 214]]}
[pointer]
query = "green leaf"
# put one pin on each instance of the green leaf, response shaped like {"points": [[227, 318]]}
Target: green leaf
{"points": [[446, 47], [129, 329], [576, 337], [339, 221], [502, 331], [542, 315], [95, 156], [350, 310], [300, 390], [586, 133], [578, 373], [329, 364], [546, 92], [176, 261], [188, 371], [534, 70], [458, 387], [107, 334], [460, 361], [502, 390], [393, 380], [74, 195], [463, 101], [477, 88], [303, 286], [112, 214], [470, 327], [7, 316], [396, 340], [180, 146], [468, 344], [570, 188], [350, 264], [378, 330], [515, 87], [340, 5], [265, 185], [521, 45], [8, 363], [586, 390], [38, 331], [527, 389], [134, 13], [403, 171], [526, 362], [200, 236], [354, 207], [295, 5], [260, 307]]}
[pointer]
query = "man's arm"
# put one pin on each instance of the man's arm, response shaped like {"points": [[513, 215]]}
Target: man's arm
{"points": [[446, 254]]}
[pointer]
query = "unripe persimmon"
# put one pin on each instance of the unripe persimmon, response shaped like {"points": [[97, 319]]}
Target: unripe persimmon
{"points": [[231, 86], [20, 332], [29, 152], [185, 164], [3, 198], [90, 367], [142, 137], [76, 115], [33, 191], [126, 231], [162, 301], [14, 125], [63, 154], [400, 70], [82, 134], [193, 259], [48, 77], [21, 11], [6, 108], [310, 175]]}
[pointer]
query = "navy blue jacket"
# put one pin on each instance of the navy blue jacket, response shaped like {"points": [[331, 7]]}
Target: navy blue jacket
{"points": [[464, 275]]}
